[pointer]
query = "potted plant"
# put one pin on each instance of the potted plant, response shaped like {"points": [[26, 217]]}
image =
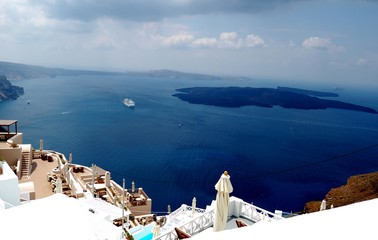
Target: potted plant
{"points": [[14, 145]]}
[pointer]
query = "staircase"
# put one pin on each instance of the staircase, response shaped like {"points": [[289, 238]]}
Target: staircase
{"points": [[25, 165]]}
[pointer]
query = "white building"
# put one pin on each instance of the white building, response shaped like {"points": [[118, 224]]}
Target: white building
{"points": [[10, 192]]}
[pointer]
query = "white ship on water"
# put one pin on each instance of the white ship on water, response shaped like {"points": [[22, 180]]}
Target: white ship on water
{"points": [[129, 102]]}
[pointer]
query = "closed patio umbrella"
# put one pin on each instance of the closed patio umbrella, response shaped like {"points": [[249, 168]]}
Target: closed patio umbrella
{"points": [[224, 189], [194, 202], [323, 205], [58, 188], [40, 145]]}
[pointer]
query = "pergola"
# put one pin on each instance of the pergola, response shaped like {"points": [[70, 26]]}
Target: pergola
{"points": [[6, 124]]}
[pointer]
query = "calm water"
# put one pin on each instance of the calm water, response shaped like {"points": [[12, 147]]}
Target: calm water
{"points": [[261, 148]]}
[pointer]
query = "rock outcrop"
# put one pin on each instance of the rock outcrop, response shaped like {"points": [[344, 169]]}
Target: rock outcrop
{"points": [[8, 91], [357, 189]]}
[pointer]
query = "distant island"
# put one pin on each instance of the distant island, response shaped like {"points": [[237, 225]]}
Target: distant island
{"points": [[171, 74], [8, 91], [18, 71], [264, 97]]}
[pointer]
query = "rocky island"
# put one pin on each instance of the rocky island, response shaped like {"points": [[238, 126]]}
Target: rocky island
{"points": [[264, 97], [8, 91]]}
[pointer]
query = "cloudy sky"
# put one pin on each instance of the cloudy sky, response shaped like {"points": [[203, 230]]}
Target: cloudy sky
{"points": [[309, 40]]}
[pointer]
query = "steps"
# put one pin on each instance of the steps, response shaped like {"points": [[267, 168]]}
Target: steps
{"points": [[25, 165]]}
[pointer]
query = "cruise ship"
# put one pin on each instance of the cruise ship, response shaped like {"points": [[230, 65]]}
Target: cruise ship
{"points": [[129, 102]]}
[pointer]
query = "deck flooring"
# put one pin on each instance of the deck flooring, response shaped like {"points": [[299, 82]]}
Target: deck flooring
{"points": [[38, 175]]}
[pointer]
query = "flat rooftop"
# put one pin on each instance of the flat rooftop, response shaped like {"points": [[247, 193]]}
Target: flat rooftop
{"points": [[7, 122], [39, 171]]}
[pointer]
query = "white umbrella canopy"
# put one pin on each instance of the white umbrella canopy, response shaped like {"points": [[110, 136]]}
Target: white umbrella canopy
{"points": [[224, 189]]}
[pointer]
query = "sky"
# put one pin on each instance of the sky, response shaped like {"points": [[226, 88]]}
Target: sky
{"points": [[332, 41]]}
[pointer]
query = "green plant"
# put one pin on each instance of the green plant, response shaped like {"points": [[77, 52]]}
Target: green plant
{"points": [[14, 145]]}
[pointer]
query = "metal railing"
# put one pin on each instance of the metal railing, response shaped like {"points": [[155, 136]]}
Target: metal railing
{"points": [[206, 219], [186, 208], [194, 226], [256, 214]]}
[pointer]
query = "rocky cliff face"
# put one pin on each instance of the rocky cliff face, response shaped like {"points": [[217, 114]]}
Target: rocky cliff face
{"points": [[8, 91], [357, 189]]}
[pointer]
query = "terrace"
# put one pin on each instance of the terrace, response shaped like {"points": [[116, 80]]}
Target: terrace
{"points": [[193, 221]]}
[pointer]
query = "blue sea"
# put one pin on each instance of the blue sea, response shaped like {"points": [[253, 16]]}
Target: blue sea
{"points": [[277, 158]]}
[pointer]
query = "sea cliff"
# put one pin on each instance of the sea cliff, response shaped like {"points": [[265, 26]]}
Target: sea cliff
{"points": [[8, 91], [357, 189]]}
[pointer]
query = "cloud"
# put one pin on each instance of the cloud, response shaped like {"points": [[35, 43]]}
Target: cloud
{"points": [[317, 43], [229, 40], [174, 40], [205, 42], [322, 44], [226, 40], [147, 10], [254, 41]]}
